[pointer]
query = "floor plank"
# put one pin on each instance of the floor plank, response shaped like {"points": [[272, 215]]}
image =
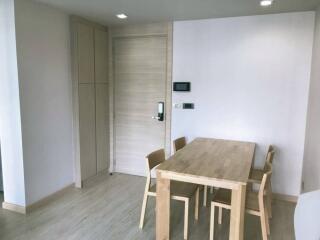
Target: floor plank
{"points": [[109, 208]]}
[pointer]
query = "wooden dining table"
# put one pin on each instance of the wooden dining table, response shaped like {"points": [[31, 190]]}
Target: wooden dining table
{"points": [[210, 162]]}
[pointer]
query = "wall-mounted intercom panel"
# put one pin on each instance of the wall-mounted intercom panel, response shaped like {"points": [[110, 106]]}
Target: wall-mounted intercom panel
{"points": [[182, 86]]}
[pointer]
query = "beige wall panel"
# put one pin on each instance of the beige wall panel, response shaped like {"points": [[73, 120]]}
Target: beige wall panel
{"points": [[102, 126], [87, 130], [101, 56], [140, 30], [85, 53]]}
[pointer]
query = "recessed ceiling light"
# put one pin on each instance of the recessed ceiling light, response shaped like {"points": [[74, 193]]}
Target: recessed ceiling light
{"points": [[266, 3], [122, 16]]}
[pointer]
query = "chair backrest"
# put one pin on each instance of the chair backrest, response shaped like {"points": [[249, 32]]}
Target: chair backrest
{"points": [[179, 143], [272, 151], [155, 158], [265, 181], [269, 158], [270, 148]]}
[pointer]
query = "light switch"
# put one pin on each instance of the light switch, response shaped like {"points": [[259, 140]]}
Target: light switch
{"points": [[177, 105]]}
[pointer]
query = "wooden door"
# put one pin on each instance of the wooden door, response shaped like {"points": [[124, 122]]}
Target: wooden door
{"points": [[140, 83]]}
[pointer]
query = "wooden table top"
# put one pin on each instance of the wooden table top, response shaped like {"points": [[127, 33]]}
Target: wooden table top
{"points": [[213, 159]]}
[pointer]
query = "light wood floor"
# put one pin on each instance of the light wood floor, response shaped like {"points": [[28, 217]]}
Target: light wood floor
{"points": [[109, 208]]}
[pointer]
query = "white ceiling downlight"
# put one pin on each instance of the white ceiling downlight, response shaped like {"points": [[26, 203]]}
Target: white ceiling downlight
{"points": [[122, 16], [266, 3]]}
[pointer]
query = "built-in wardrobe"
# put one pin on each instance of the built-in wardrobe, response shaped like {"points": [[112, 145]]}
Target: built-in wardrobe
{"points": [[90, 98]]}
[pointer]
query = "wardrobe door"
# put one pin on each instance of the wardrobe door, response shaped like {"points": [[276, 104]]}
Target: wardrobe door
{"points": [[87, 130], [85, 38], [101, 56], [102, 129], [102, 103]]}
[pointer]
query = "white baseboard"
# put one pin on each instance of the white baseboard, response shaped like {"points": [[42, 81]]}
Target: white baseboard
{"points": [[14, 207], [29, 208], [130, 171], [284, 197]]}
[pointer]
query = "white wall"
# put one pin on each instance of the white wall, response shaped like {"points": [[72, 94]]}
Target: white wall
{"points": [[43, 40], [10, 121], [307, 210], [250, 80], [312, 147], [1, 183]]}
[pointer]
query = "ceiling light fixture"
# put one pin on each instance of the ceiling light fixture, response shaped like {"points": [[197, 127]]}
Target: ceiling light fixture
{"points": [[266, 3], [122, 16]]}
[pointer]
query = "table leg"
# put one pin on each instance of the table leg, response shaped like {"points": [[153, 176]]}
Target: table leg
{"points": [[237, 213], [163, 208]]}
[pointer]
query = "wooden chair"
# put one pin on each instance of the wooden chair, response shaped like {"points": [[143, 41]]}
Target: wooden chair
{"points": [[256, 177], [179, 191], [178, 144], [255, 204]]}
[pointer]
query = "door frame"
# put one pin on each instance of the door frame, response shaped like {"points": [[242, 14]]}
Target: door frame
{"points": [[138, 31]]}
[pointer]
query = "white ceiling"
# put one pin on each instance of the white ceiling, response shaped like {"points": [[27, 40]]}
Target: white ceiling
{"points": [[142, 11]]}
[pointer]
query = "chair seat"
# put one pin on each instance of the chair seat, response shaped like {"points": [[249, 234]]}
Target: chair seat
{"points": [[256, 175], [224, 196], [180, 189]]}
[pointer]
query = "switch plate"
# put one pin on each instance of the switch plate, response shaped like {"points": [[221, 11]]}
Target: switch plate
{"points": [[177, 105]]}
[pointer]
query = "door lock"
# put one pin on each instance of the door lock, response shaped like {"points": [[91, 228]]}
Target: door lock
{"points": [[160, 116]]}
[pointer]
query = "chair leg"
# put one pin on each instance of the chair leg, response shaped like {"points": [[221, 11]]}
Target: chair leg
{"points": [[212, 222], [250, 186], [186, 219], [267, 221], [263, 225], [196, 205], [143, 210], [220, 215], [205, 190], [269, 206], [269, 201]]}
